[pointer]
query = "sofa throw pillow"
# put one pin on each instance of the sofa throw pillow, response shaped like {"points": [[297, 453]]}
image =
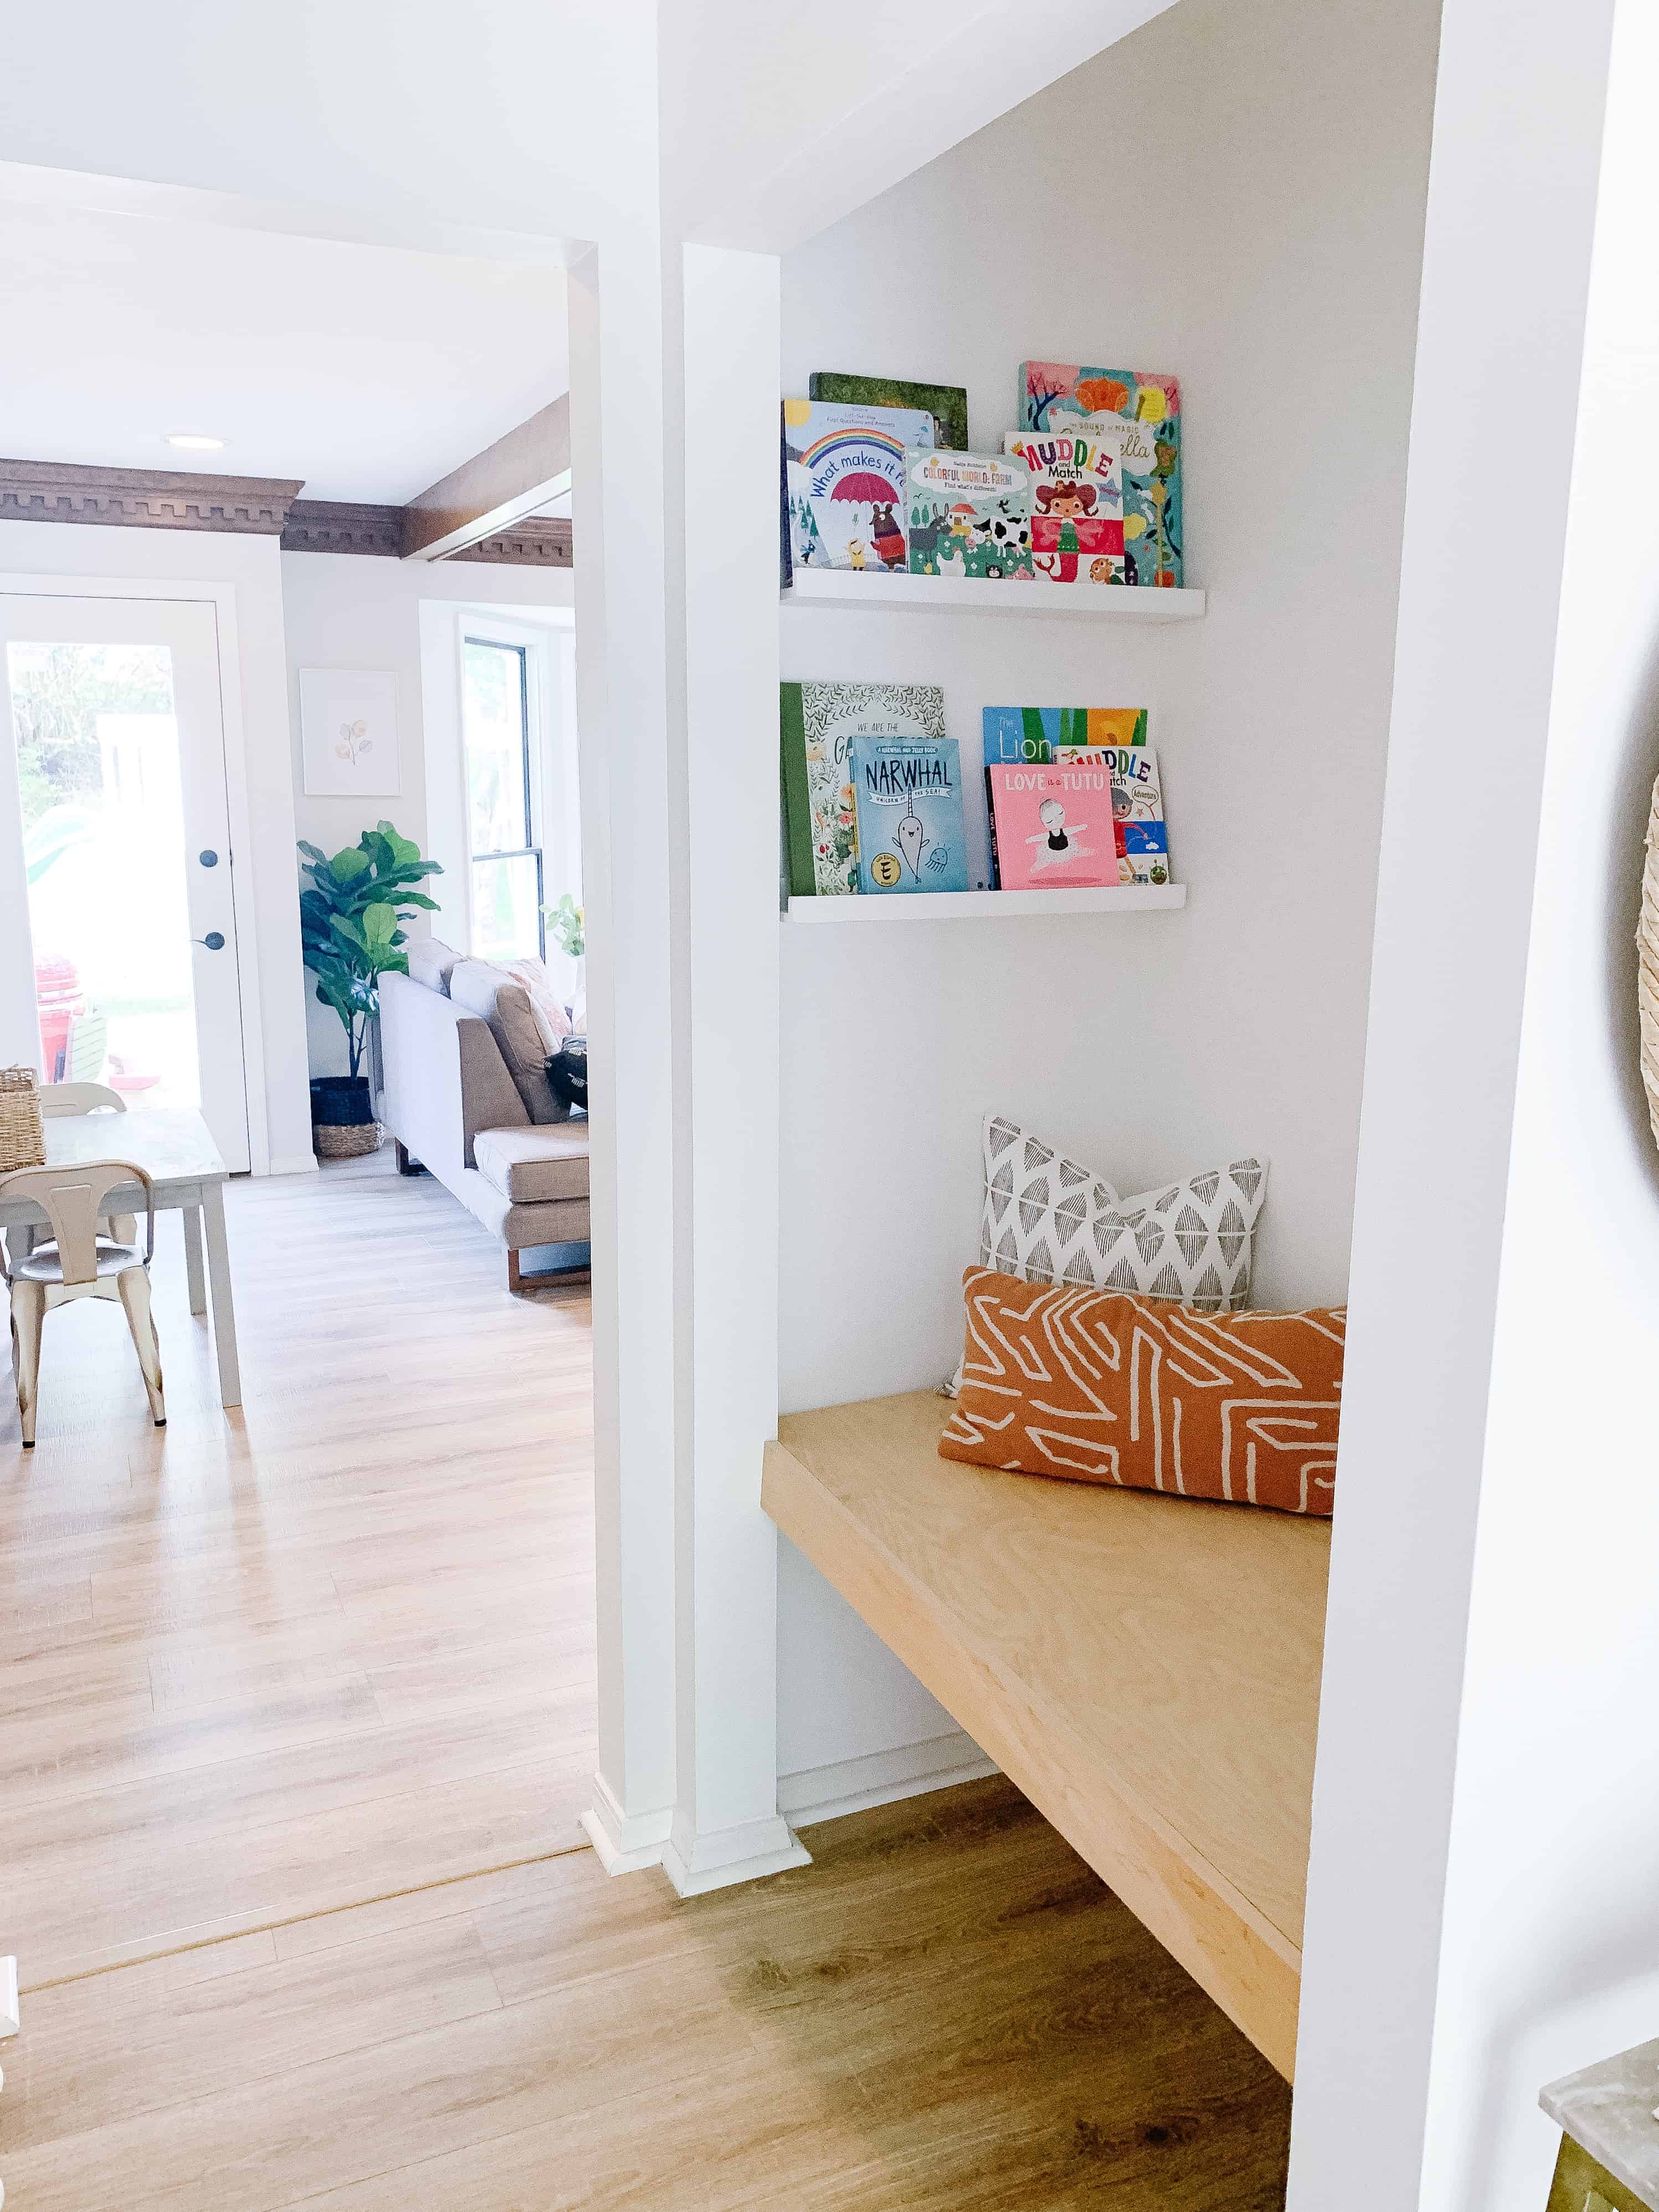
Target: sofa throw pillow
{"points": [[1102, 1386], [552, 1018], [478, 988], [1048, 1219], [431, 962]]}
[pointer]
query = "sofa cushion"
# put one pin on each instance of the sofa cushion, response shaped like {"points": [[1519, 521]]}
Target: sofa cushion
{"points": [[431, 962], [479, 988], [531, 1165], [552, 1018]]}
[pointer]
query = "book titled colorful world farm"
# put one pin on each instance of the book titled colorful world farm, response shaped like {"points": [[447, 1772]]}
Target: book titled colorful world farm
{"points": [[1077, 500], [1143, 835], [1033, 733], [1053, 824], [818, 723], [910, 827], [845, 468], [968, 515], [1058, 396]]}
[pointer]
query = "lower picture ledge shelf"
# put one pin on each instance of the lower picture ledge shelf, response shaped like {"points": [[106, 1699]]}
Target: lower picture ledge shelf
{"points": [[959, 906]]}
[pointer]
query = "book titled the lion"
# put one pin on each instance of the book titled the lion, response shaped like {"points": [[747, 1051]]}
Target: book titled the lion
{"points": [[1057, 396], [907, 793], [1077, 500]]}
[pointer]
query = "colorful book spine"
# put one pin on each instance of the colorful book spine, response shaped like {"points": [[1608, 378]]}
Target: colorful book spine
{"points": [[1077, 500], [911, 837], [1056, 395], [818, 725], [968, 515]]}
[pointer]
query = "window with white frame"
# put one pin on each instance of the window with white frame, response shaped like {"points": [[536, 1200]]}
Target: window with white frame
{"points": [[503, 798]]}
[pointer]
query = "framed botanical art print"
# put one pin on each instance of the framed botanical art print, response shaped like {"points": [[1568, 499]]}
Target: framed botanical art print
{"points": [[348, 733]]}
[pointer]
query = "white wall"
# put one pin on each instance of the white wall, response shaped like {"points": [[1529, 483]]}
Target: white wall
{"points": [[1268, 253], [249, 566], [355, 610]]}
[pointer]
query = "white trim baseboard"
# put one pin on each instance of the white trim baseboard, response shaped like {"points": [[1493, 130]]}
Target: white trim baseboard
{"points": [[10, 2015], [625, 1845], [882, 1778], [293, 1163], [695, 1864]]}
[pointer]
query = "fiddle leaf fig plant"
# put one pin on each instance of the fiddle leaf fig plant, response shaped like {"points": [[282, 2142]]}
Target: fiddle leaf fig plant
{"points": [[350, 921]]}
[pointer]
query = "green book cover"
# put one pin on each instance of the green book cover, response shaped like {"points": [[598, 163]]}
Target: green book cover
{"points": [[946, 403], [818, 723]]}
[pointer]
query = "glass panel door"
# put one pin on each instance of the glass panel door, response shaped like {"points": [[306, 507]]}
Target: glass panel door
{"points": [[121, 841]]}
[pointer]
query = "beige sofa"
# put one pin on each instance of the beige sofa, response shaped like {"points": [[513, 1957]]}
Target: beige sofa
{"points": [[464, 1096]]}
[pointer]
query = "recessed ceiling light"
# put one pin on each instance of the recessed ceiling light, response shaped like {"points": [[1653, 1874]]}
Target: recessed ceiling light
{"points": [[192, 441]]}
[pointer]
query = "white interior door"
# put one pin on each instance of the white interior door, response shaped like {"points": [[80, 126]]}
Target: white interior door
{"points": [[117, 930]]}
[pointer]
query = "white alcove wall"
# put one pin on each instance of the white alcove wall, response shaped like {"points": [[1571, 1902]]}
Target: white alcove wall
{"points": [[1257, 230]]}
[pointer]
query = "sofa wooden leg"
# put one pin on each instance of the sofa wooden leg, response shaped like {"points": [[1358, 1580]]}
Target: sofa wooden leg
{"points": [[405, 1165], [514, 1279]]}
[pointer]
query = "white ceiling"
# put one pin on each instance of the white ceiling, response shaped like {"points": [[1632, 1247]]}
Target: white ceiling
{"points": [[369, 372]]}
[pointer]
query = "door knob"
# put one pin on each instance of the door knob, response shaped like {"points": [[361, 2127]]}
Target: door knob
{"points": [[214, 940], [208, 858]]}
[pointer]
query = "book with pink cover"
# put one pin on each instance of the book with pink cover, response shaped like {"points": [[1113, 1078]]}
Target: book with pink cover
{"points": [[1053, 824]]}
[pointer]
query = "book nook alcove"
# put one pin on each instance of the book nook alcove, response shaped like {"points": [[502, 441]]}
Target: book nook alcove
{"points": [[1086, 622]]}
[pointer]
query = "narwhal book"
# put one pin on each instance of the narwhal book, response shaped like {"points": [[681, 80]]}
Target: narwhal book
{"points": [[908, 795]]}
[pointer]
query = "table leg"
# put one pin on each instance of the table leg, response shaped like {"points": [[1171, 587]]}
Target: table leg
{"points": [[224, 1312], [194, 1273]]}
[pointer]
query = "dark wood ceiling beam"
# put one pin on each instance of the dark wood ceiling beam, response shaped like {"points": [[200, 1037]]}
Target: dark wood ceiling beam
{"points": [[497, 489]]}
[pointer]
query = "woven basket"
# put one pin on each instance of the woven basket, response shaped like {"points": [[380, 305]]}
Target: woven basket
{"points": [[1647, 970], [336, 1142], [22, 1134]]}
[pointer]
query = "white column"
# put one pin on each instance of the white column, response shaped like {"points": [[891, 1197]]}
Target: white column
{"points": [[727, 1824], [630, 840], [1391, 2110]]}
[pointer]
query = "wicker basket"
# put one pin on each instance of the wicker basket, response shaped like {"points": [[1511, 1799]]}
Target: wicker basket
{"points": [[22, 1134], [347, 1141]]}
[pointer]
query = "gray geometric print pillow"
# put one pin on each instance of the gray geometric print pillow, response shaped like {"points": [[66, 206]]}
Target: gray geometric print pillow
{"points": [[1047, 1219]]}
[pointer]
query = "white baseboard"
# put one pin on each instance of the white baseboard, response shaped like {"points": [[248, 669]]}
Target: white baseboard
{"points": [[10, 2017], [293, 1163], [695, 1864], [882, 1778], [625, 1844]]}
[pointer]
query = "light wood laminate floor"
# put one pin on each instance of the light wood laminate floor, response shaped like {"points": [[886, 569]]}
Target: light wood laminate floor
{"points": [[298, 1721]]}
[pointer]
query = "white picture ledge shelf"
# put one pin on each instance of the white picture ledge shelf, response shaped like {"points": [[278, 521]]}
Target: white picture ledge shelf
{"points": [[961, 906], [872, 591]]}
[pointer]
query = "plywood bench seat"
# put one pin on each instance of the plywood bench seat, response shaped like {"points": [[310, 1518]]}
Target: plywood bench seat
{"points": [[1145, 1668]]}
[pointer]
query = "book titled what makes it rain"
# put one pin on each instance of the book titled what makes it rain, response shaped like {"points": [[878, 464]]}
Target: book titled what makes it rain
{"points": [[907, 794]]}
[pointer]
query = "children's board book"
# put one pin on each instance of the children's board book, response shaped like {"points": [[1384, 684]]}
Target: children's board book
{"points": [[1053, 826], [968, 515], [1033, 733], [847, 481], [1056, 395], [911, 834], [819, 722], [1143, 837], [946, 403], [1077, 500]]}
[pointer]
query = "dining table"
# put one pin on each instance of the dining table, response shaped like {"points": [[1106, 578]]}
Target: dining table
{"points": [[175, 1147]]}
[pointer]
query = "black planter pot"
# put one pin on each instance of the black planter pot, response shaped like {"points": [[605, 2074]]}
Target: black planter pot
{"points": [[341, 1102]]}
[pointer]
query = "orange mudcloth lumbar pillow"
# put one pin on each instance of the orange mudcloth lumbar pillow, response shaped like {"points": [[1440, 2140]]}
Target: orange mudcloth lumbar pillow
{"points": [[1103, 1386]]}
